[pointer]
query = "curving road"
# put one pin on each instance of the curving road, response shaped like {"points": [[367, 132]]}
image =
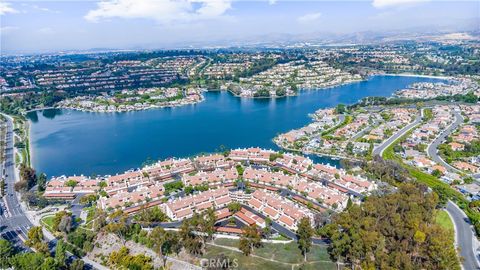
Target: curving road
{"points": [[385, 144], [464, 237]]}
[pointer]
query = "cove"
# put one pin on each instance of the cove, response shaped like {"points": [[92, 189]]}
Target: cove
{"points": [[67, 142]]}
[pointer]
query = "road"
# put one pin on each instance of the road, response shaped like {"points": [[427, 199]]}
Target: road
{"points": [[465, 237], [14, 222], [432, 151], [385, 144]]}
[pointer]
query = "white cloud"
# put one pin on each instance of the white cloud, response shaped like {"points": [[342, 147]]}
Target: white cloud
{"points": [[44, 9], [394, 3], [46, 31], [163, 11], [272, 2], [310, 17], [7, 29], [6, 8]]}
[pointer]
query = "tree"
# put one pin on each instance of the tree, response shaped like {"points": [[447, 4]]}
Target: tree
{"points": [[88, 199], [206, 224], [249, 240], [119, 228], [122, 259], [27, 260], [77, 265], [48, 264], [341, 108], [149, 215], [304, 233], [392, 231], [71, 183], [42, 182], [234, 207], [62, 222], [191, 241], [321, 219], [27, 175], [164, 243], [60, 253], [437, 173], [65, 224], [468, 180], [6, 251], [35, 236]]}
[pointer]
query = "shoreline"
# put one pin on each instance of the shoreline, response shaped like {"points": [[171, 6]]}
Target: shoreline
{"points": [[419, 76], [300, 90], [121, 111], [261, 97]]}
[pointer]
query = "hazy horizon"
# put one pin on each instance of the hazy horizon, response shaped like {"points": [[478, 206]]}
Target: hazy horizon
{"points": [[47, 26]]}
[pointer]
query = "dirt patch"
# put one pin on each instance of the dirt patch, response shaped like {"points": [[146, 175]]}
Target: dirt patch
{"points": [[106, 243]]}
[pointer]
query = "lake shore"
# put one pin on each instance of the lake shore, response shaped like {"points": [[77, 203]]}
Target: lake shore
{"points": [[419, 76]]}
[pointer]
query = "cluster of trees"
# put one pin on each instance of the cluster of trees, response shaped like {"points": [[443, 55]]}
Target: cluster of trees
{"points": [[274, 156], [122, 259], [172, 187], [75, 239], [149, 215], [388, 171], [10, 257], [262, 93], [201, 187], [471, 149], [375, 101], [251, 238], [234, 207], [195, 232], [394, 231], [62, 222], [28, 179]]}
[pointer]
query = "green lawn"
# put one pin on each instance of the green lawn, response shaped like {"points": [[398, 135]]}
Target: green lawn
{"points": [[444, 220], [48, 222], [274, 256]]}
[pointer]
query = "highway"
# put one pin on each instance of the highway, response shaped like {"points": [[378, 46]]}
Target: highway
{"points": [[465, 237], [384, 145], [432, 151]]}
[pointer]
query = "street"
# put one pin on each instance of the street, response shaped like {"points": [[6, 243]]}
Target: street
{"points": [[14, 223], [381, 148], [432, 148], [465, 237]]}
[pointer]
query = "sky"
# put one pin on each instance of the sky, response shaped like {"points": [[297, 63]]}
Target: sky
{"points": [[48, 26]]}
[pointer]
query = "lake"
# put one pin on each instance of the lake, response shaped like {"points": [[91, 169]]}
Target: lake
{"points": [[74, 142]]}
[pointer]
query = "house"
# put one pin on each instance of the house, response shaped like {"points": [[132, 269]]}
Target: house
{"points": [[456, 146], [464, 166]]}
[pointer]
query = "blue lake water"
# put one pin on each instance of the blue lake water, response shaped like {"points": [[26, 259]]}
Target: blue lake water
{"points": [[73, 142]]}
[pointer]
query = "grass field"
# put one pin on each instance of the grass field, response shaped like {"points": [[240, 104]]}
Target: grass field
{"points": [[273, 256], [48, 222], [444, 220]]}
